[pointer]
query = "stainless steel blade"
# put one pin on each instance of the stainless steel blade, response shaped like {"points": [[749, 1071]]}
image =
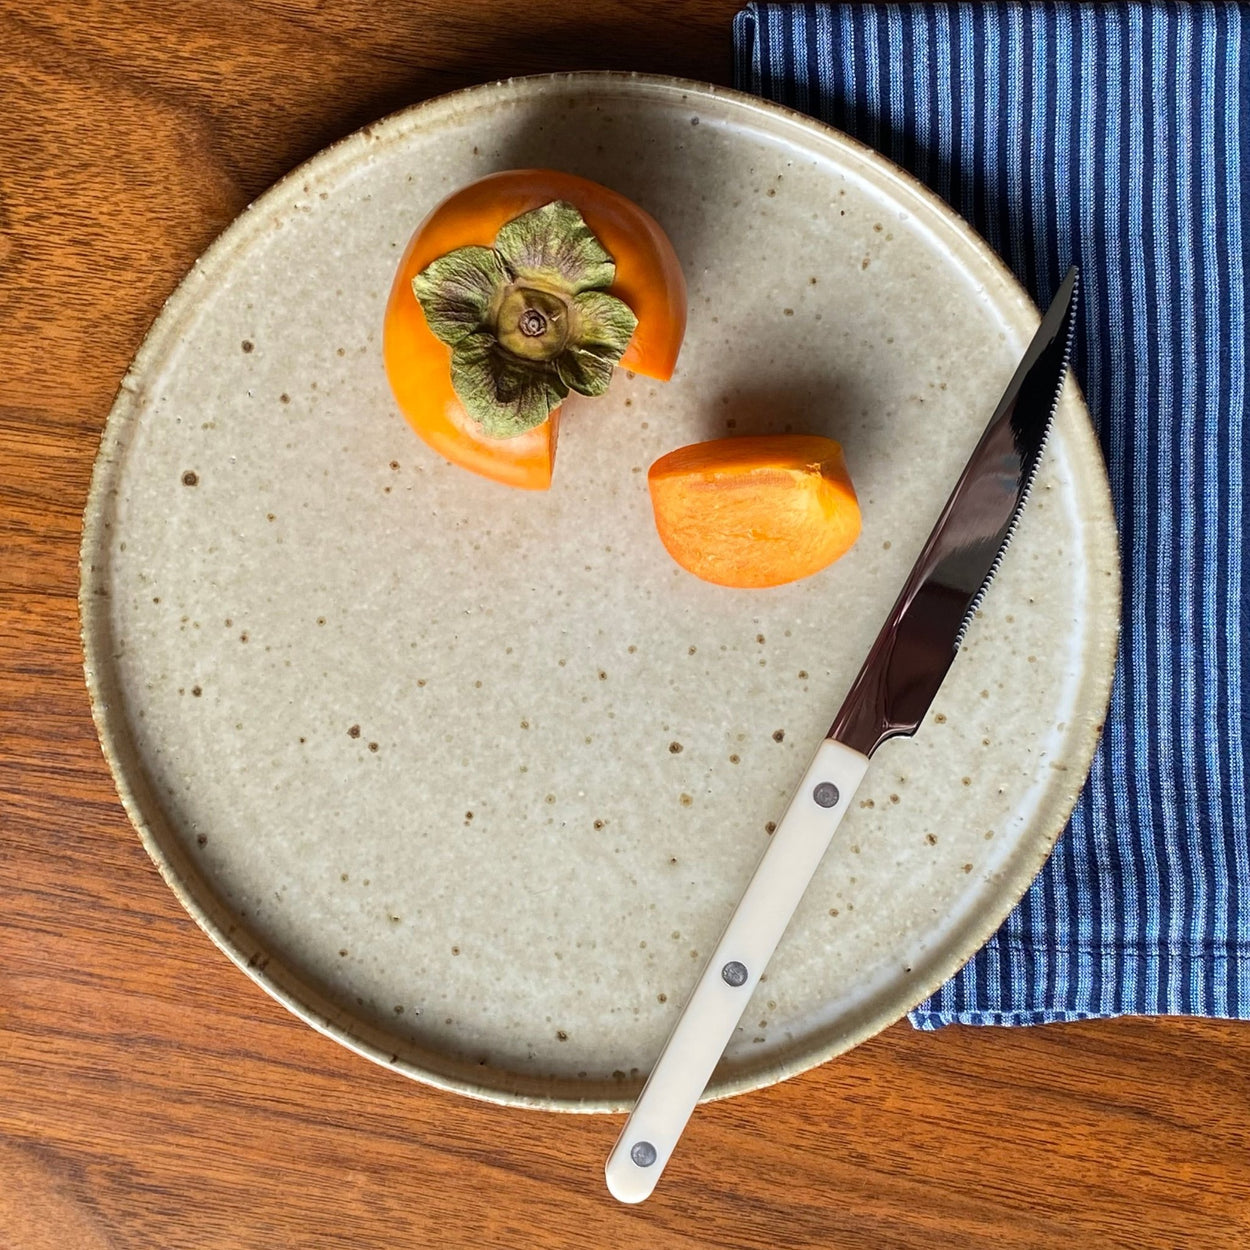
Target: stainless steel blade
{"points": [[917, 644]]}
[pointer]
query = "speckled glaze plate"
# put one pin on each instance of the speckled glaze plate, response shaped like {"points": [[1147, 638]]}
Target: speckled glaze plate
{"points": [[470, 778]]}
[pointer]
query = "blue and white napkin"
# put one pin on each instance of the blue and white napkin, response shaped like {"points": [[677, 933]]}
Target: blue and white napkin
{"points": [[1110, 135]]}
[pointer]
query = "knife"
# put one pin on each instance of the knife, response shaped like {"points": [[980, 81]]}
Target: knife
{"points": [[890, 697]]}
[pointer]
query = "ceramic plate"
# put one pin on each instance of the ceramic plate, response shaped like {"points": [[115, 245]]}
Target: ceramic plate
{"points": [[471, 778]]}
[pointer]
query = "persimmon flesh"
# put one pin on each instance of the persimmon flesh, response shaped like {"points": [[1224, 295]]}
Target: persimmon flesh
{"points": [[756, 511]]}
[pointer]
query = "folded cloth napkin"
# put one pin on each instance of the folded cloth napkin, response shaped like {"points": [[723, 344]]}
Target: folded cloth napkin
{"points": [[1110, 135]]}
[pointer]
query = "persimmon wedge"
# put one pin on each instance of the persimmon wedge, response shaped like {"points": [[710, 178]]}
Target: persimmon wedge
{"points": [[755, 511], [642, 271]]}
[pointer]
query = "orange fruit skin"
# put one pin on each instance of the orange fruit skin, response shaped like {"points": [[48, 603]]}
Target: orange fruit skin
{"points": [[648, 278], [755, 512]]}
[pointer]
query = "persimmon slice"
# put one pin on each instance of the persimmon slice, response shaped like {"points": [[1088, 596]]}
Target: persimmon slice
{"points": [[755, 511]]}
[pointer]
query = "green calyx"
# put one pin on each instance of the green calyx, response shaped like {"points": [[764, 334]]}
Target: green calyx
{"points": [[528, 320]]}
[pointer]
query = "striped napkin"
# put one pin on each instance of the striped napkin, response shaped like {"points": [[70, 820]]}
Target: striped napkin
{"points": [[1110, 135]]}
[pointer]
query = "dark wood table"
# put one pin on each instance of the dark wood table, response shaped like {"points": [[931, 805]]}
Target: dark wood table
{"points": [[150, 1095]]}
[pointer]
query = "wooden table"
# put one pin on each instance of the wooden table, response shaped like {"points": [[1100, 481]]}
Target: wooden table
{"points": [[150, 1095]]}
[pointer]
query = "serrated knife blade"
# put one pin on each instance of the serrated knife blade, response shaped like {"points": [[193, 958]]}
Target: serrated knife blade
{"points": [[890, 696]]}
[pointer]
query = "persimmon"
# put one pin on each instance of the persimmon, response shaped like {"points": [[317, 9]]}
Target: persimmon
{"points": [[514, 291], [755, 511]]}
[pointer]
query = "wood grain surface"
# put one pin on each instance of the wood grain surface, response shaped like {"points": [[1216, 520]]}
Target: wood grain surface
{"points": [[150, 1095]]}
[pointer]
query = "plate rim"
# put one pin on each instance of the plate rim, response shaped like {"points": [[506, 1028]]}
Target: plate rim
{"points": [[248, 953]]}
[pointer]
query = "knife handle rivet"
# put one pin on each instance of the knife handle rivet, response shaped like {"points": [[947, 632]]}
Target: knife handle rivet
{"points": [[734, 973], [642, 1153], [826, 794]]}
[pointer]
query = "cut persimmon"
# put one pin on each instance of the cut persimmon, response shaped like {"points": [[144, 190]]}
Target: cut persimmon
{"points": [[755, 511], [515, 291]]}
